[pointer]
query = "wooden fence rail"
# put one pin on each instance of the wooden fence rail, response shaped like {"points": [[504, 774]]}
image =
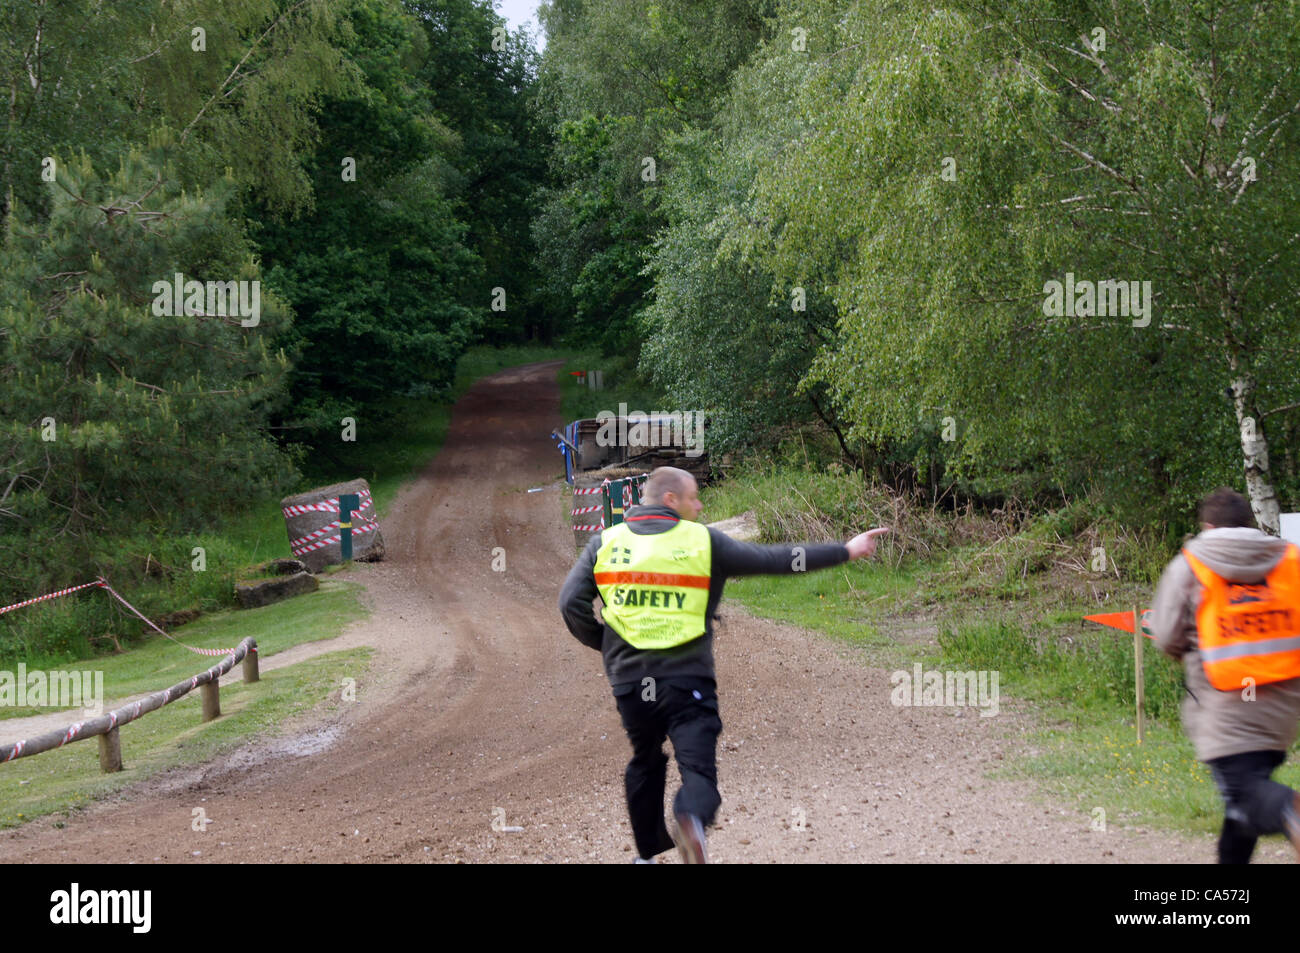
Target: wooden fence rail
{"points": [[106, 726]]}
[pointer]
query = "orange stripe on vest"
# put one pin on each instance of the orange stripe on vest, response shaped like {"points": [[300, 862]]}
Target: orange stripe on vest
{"points": [[1249, 630], [651, 579]]}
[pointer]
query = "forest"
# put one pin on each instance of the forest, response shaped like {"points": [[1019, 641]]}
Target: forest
{"points": [[977, 252]]}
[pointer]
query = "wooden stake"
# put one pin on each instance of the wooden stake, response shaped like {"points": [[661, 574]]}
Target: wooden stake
{"points": [[209, 694], [110, 751], [1138, 682]]}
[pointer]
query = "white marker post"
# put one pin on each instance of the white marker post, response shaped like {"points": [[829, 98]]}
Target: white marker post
{"points": [[1289, 529]]}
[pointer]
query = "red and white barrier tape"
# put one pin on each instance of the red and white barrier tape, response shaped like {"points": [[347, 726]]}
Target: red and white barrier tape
{"points": [[51, 595], [103, 584], [327, 529], [600, 508], [324, 506], [217, 652], [322, 543]]}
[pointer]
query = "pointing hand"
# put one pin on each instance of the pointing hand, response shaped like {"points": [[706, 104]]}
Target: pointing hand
{"points": [[864, 544]]}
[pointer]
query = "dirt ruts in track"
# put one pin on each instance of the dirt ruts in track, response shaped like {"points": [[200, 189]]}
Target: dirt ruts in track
{"points": [[480, 705]]}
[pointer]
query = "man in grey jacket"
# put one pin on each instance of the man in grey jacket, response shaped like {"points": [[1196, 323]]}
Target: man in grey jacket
{"points": [[1242, 735]]}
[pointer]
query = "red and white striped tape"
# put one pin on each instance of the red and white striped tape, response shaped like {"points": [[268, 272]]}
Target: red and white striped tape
{"points": [[51, 595], [103, 584], [148, 622], [328, 528], [600, 508], [324, 506], [322, 543]]}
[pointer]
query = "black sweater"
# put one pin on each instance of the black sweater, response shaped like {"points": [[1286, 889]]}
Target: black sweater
{"points": [[624, 663]]}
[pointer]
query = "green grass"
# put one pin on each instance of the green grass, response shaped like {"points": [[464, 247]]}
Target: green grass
{"points": [[1094, 760], [157, 662], [840, 601], [481, 361], [59, 781], [1085, 750], [1094, 670], [1097, 763]]}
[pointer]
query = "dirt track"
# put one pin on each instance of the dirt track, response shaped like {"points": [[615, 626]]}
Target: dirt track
{"points": [[480, 699]]}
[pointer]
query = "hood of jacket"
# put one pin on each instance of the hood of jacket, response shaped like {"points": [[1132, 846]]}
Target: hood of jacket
{"points": [[1238, 553], [643, 526]]}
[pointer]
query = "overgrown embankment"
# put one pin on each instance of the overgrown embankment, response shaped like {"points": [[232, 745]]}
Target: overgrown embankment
{"points": [[1002, 591]]}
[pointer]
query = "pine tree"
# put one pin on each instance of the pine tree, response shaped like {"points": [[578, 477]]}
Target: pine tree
{"points": [[115, 409]]}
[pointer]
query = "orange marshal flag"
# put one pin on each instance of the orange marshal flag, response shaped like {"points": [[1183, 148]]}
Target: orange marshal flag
{"points": [[1122, 620]]}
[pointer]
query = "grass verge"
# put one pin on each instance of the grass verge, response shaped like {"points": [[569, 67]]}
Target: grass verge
{"points": [[65, 778], [620, 384], [60, 781], [157, 662]]}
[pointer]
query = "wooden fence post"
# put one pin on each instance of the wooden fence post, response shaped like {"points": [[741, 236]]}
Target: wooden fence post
{"points": [[110, 752], [251, 672], [210, 695]]}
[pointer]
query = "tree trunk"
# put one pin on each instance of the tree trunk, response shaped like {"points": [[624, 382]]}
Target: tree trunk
{"points": [[1254, 448]]}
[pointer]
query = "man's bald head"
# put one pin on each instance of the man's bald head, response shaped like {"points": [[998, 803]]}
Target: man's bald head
{"points": [[675, 488], [666, 480]]}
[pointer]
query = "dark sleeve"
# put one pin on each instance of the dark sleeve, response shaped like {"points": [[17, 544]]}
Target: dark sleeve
{"points": [[576, 595], [734, 558]]}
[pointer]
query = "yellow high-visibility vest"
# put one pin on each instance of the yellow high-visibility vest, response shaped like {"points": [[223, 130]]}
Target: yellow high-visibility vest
{"points": [[655, 586]]}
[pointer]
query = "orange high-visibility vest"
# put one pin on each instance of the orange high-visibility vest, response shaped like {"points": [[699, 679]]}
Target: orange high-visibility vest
{"points": [[1249, 631]]}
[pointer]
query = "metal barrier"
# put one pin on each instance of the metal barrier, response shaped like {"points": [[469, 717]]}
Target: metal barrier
{"points": [[615, 497]]}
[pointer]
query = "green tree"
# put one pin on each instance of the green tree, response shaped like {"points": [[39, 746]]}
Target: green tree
{"points": [[479, 79], [721, 333], [958, 160], [237, 82], [387, 295], [618, 78], [111, 413]]}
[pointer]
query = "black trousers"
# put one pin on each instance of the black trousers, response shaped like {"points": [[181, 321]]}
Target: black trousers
{"points": [[1254, 804], [684, 710]]}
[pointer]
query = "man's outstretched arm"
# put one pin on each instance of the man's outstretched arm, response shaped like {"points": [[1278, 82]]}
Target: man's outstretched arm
{"points": [[575, 598], [734, 558]]}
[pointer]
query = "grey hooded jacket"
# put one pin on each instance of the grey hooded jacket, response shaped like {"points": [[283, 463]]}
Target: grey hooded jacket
{"points": [[1223, 723]]}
